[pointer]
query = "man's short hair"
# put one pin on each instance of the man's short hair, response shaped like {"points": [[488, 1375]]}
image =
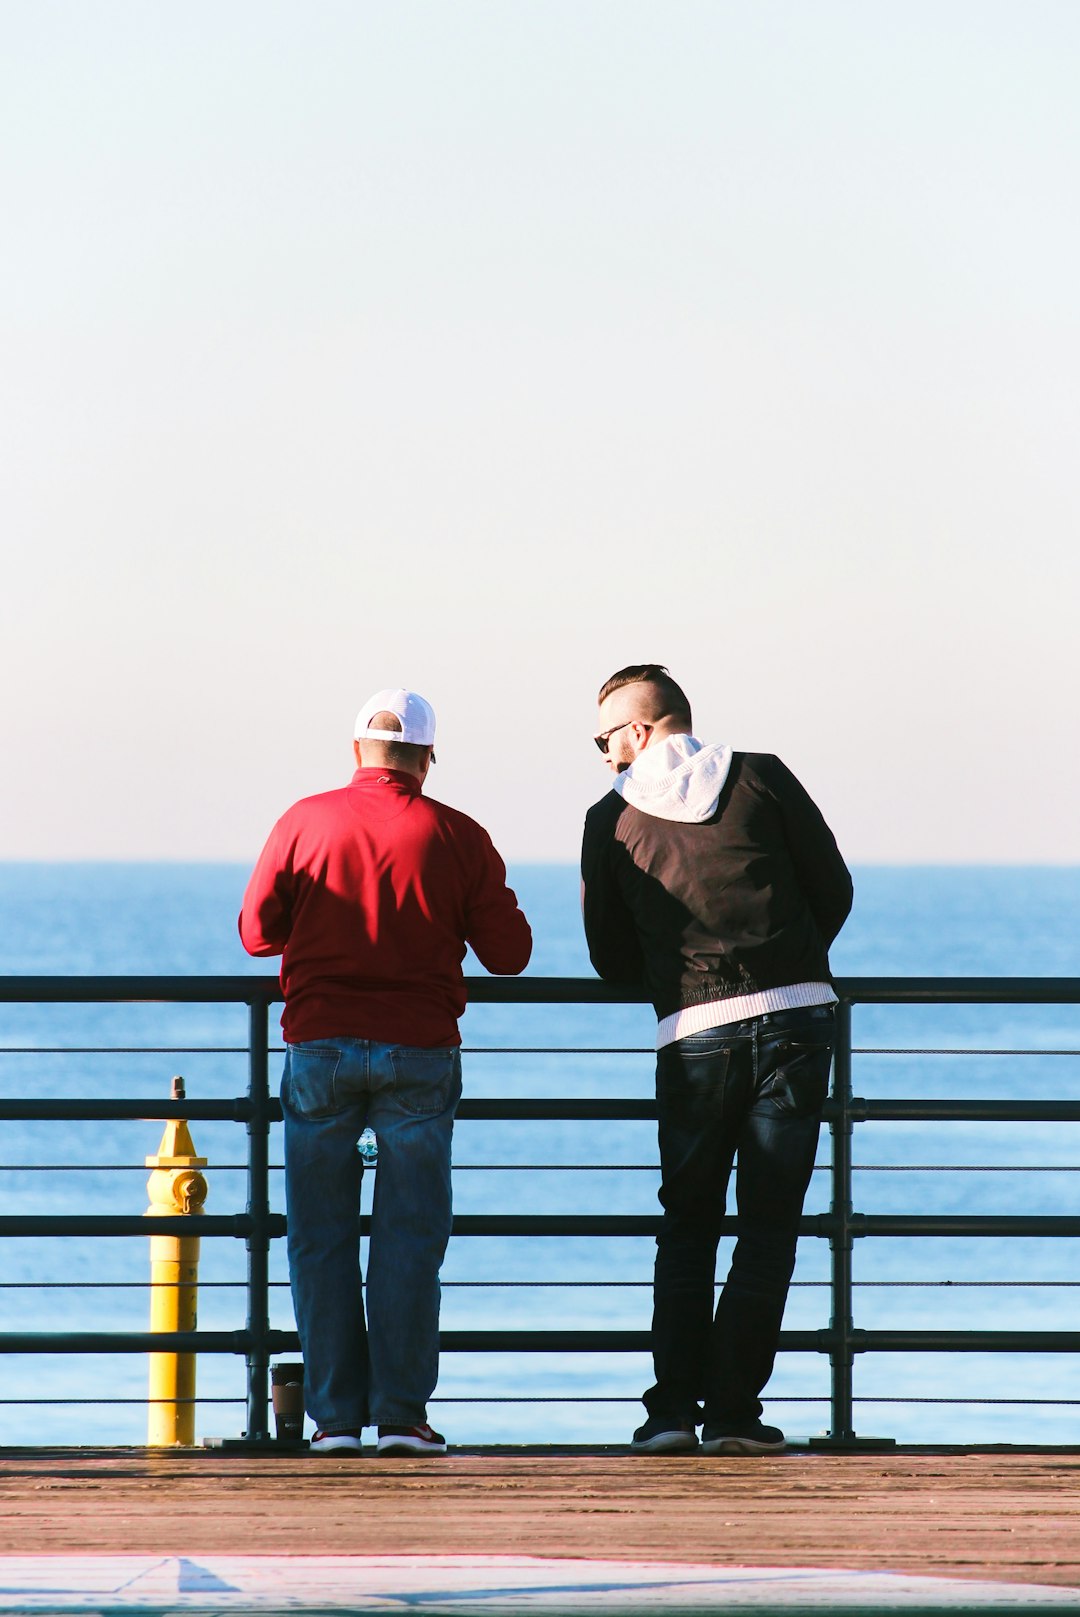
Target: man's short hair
{"points": [[669, 699], [395, 754]]}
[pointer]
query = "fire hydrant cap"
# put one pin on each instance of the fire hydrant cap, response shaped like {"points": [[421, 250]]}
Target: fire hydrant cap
{"points": [[177, 1148]]}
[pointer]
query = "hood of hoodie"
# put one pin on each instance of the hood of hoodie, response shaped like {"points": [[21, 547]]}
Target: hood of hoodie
{"points": [[679, 778]]}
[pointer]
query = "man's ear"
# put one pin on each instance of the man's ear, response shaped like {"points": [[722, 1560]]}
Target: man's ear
{"points": [[356, 755]]}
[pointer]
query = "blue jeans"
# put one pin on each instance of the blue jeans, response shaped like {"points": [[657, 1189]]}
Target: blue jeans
{"points": [[383, 1370], [755, 1089]]}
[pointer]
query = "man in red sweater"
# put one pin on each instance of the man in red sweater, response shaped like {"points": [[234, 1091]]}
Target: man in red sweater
{"points": [[370, 894]]}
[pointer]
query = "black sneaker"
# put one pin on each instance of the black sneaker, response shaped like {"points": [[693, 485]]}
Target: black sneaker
{"points": [[664, 1434], [742, 1437]]}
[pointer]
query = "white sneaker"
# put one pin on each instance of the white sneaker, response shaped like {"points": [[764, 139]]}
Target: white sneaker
{"points": [[336, 1443], [410, 1440]]}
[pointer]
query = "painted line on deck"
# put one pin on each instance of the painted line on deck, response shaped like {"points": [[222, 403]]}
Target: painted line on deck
{"points": [[476, 1584]]}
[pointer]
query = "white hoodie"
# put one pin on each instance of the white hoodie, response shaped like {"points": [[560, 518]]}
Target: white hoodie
{"points": [[678, 778]]}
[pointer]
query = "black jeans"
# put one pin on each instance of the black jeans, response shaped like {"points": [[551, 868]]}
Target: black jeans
{"points": [[755, 1089]]}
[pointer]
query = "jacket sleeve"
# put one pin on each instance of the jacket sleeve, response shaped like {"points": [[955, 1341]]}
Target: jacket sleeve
{"points": [[821, 871], [266, 913], [610, 932], [495, 926]]}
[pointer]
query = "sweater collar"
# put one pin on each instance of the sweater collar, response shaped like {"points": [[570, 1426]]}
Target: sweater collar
{"points": [[393, 777]]}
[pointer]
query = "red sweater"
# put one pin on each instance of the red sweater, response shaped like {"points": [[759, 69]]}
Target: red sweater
{"points": [[370, 894]]}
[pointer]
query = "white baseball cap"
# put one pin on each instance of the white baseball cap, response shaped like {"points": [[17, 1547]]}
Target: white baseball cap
{"points": [[417, 718]]}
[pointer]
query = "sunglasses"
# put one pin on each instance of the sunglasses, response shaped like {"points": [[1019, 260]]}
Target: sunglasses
{"points": [[602, 740]]}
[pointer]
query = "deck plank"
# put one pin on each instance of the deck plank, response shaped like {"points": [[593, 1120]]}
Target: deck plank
{"points": [[1009, 1516]]}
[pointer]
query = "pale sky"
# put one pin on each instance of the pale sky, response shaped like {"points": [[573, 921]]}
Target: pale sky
{"points": [[487, 347]]}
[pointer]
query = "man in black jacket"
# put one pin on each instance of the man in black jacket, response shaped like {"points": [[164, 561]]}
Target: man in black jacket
{"points": [[711, 880]]}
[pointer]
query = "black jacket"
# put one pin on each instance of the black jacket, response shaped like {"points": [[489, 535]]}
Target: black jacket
{"points": [[747, 900]]}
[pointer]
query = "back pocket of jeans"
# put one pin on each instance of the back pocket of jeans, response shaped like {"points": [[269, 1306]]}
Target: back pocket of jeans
{"points": [[799, 1086], [698, 1049], [309, 1085], [425, 1081]]}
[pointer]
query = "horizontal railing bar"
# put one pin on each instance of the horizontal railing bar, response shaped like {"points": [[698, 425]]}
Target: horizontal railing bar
{"points": [[279, 1167], [546, 1285], [139, 990], [506, 1050], [564, 1341], [62, 1109], [649, 1050], [279, 1050], [821, 1224], [489, 1341], [961, 1167], [128, 1050], [244, 990], [547, 1224], [1051, 1403], [558, 1341], [556, 1398], [234, 1224], [820, 1341], [240, 1224], [582, 1398], [527, 990], [600, 1398], [165, 1285], [598, 1341], [489, 1050], [882, 1341], [547, 1398], [967, 1285], [534, 1109], [21, 1403], [964, 1111], [956, 1224], [115, 1167], [959, 990], [147, 1109], [138, 1341], [949, 1050], [570, 1167], [538, 1109]]}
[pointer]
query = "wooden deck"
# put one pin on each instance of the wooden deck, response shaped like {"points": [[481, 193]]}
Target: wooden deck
{"points": [[1010, 1516]]}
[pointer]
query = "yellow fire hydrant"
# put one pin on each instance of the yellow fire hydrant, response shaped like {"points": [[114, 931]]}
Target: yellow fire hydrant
{"points": [[175, 1186]]}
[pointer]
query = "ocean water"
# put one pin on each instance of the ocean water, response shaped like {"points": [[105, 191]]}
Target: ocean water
{"points": [[914, 921]]}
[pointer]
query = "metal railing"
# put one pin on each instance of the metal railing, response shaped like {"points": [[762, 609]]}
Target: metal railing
{"points": [[259, 1226]]}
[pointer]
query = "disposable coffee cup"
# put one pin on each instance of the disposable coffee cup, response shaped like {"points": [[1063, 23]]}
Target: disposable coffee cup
{"points": [[287, 1387]]}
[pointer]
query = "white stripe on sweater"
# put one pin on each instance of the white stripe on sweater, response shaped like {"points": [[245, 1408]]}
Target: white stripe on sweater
{"points": [[722, 1012]]}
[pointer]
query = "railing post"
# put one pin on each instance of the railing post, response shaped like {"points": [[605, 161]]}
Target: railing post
{"points": [[258, 1242], [841, 1355]]}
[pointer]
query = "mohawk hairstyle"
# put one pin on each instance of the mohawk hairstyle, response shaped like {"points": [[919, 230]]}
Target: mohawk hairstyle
{"points": [[670, 700]]}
